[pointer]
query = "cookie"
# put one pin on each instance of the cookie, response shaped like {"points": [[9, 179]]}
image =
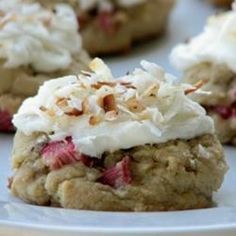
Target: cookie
{"points": [[210, 59], [109, 27], [43, 48], [137, 143]]}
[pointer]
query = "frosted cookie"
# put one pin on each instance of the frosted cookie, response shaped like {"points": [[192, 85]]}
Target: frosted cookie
{"points": [[135, 143], [112, 26], [211, 58], [35, 45]]}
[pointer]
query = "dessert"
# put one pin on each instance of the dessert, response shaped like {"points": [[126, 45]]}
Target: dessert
{"points": [[111, 26], [210, 58], [36, 45], [135, 143]]}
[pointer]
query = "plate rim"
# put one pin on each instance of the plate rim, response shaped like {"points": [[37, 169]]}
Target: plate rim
{"points": [[225, 227]]}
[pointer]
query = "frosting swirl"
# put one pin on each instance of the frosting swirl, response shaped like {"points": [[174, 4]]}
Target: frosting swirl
{"points": [[102, 113], [33, 36], [216, 44]]}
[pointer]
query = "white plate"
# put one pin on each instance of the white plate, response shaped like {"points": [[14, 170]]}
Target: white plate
{"points": [[18, 218]]}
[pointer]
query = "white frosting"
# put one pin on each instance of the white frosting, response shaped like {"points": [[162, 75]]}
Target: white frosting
{"points": [[163, 111], [89, 4], [32, 35], [217, 44]]}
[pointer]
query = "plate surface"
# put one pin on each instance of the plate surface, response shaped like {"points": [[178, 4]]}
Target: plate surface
{"points": [[19, 218]]}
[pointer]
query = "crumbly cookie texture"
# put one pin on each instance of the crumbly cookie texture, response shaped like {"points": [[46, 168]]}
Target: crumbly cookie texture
{"points": [[117, 28], [220, 102], [176, 175]]}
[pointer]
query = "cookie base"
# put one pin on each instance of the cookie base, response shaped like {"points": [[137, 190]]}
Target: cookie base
{"points": [[142, 23], [220, 81], [176, 175]]}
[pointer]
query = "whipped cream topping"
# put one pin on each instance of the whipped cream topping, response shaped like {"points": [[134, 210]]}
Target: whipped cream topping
{"points": [[104, 4], [102, 113], [33, 36], [216, 44]]}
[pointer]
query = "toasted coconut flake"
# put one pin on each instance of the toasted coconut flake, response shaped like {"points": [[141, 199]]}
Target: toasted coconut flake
{"points": [[74, 112], [128, 85], [42, 108], [100, 84], [47, 21], [134, 105], [109, 103], [51, 113], [127, 111], [2, 13], [94, 120], [86, 73], [47, 111], [197, 86], [111, 115], [62, 102], [10, 181], [6, 19], [151, 91], [85, 106]]}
